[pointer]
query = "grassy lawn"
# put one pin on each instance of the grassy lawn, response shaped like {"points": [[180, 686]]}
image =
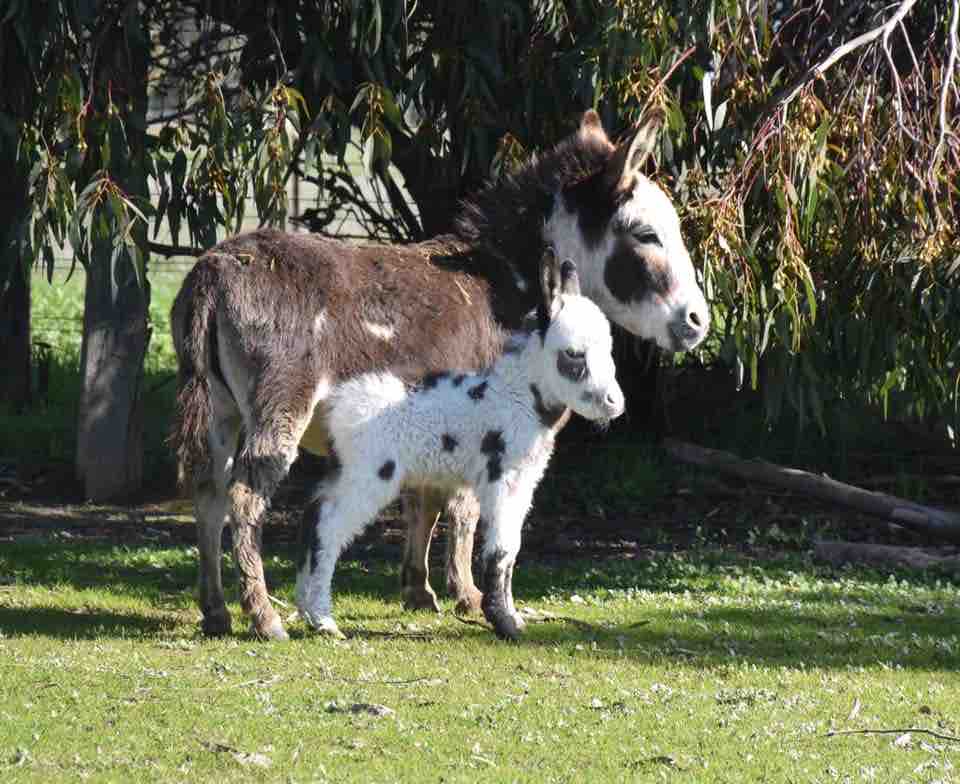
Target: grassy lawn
{"points": [[697, 667]]}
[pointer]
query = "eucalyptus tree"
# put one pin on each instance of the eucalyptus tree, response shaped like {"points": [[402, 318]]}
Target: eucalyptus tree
{"points": [[814, 147]]}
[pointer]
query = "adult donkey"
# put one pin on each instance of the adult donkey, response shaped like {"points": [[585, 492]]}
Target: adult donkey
{"points": [[265, 322]]}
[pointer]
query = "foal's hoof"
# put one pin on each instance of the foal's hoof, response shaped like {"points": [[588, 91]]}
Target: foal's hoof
{"points": [[270, 630], [469, 601], [508, 627], [216, 623], [328, 628], [420, 599]]}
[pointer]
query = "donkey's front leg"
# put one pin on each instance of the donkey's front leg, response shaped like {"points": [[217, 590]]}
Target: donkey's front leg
{"points": [[463, 512], [421, 508]]}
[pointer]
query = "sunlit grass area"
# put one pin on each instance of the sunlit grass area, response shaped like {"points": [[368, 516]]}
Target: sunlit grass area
{"points": [[689, 667]]}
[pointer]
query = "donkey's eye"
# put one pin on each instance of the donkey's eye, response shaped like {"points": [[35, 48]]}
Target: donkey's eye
{"points": [[646, 236], [572, 353]]}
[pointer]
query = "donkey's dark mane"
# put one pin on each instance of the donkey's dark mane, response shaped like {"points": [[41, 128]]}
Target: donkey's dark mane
{"points": [[503, 222]]}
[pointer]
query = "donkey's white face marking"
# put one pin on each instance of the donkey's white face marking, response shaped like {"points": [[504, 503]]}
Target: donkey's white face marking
{"points": [[577, 361], [638, 270], [381, 331]]}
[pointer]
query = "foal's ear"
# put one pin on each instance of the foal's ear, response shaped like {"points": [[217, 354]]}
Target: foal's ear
{"points": [[632, 154], [569, 279], [551, 283]]}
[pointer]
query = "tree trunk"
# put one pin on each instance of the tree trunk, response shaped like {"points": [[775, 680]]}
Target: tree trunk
{"points": [[110, 423], [15, 386], [109, 458]]}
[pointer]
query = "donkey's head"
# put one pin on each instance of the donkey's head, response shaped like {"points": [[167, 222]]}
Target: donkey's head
{"points": [[625, 234], [576, 365]]}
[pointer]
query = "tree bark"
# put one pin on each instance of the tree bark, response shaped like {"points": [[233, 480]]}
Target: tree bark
{"points": [[109, 459], [15, 386], [15, 378], [916, 517]]}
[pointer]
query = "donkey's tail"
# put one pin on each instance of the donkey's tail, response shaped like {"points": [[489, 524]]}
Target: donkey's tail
{"points": [[193, 324]]}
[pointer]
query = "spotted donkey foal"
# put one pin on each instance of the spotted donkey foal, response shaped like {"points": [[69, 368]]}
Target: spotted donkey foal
{"points": [[492, 431]]}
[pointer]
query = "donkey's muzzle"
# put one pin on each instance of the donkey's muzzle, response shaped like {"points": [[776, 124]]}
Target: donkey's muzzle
{"points": [[689, 329]]}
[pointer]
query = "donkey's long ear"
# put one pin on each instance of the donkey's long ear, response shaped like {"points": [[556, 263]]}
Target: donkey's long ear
{"points": [[551, 284], [631, 155], [569, 279]]}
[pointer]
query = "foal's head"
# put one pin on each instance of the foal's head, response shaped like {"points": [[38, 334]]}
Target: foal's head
{"points": [[576, 365]]}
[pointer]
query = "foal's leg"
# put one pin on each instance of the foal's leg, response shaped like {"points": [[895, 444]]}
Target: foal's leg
{"points": [[347, 506], [463, 512], [505, 511], [421, 508]]}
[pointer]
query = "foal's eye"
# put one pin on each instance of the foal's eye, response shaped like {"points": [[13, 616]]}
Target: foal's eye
{"points": [[572, 353]]}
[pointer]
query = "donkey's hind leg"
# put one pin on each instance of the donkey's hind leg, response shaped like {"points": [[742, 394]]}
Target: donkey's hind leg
{"points": [[463, 511], [264, 461], [210, 505], [421, 508], [260, 468]]}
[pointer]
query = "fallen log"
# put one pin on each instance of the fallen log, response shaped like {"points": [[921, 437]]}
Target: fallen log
{"points": [[917, 517], [883, 556]]}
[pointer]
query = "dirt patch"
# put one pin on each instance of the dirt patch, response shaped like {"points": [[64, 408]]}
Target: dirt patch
{"points": [[706, 511]]}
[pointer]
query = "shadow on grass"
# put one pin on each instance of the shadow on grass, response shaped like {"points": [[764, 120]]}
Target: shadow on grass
{"points": [[81, 623], [809, 617]]}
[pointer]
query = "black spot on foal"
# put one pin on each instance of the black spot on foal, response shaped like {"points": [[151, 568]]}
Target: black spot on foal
{"points": [[548, 416], [493, 446], [309, 543], [477, 392], [386, 470], [449, 442], [432, 379]]}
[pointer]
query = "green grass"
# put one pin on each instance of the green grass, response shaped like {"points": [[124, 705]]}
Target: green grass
{"points": [[47, 433], [689, 668]]}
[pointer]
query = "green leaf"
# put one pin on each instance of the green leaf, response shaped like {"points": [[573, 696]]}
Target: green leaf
{"points": [[706, 84]]}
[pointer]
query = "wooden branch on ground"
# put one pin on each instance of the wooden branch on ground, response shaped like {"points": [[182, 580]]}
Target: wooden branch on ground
{"points": [[883, 556], [916, 517], [902, 731]]}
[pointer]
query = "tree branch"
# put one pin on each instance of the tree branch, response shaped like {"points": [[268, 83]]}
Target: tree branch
{"points": [[173, 250], [789, 93], [916, 517], [903, 731], [946, 81]]}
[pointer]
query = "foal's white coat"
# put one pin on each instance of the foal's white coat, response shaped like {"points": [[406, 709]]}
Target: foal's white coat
{"points": [[492, 431]]}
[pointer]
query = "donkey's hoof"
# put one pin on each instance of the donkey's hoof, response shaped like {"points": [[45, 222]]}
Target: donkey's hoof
{"points": [[469, 601], [420, 599], [216, 624], [272, 630]]}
